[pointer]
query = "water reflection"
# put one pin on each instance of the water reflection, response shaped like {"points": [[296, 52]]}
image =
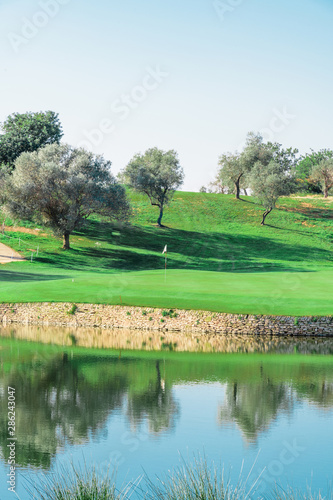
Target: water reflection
{"points": [[67, 395], [68, 399], [156, 403], [57, 404], [173, 341], [254, 407]]}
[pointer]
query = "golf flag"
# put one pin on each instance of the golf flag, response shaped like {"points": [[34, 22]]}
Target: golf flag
{"points": [[165, 251]]}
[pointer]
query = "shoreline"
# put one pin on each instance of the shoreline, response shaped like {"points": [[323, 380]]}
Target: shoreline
{"points": [[67, 314]]}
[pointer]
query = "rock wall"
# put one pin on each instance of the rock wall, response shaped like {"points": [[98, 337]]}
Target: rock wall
{"points": [[140, 318]]}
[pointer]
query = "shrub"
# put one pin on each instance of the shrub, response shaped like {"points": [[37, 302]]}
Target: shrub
{"points": [[170, 313], [72, 309]]}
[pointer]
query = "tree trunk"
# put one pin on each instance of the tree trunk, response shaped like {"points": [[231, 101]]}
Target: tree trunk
{"points": [[66, 241], [237, 182], [237, 189], [159, 220], [325, 192], [264, 215]]}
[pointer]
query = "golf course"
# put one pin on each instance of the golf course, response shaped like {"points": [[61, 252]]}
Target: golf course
{"points": [[219, 258]]}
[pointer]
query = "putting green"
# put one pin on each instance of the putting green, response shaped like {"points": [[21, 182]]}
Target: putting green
{"points": [[277, 293]]}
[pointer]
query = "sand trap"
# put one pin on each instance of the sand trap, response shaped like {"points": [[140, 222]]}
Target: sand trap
{"points": [[7, 255]]}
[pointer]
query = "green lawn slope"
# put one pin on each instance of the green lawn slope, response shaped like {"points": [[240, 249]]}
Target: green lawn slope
{"points": [[219, 258]]}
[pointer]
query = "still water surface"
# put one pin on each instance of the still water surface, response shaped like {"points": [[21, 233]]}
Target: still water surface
{"points": [[246, 405]]}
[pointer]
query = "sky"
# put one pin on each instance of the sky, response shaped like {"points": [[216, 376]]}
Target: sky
{"points": [[190, 75]]}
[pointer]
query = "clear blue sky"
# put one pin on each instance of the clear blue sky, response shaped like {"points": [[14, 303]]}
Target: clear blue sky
{"points": [[224, 68]]}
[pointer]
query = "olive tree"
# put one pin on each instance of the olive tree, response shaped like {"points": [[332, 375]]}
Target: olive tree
{"points": [[268, 183], [231, 172], [235, 168], [61, 187], [323, 173], [157, 174]]}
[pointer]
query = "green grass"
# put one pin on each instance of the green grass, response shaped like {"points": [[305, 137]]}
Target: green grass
{"points": [[75, 484], [219, 259], [194, 481]]}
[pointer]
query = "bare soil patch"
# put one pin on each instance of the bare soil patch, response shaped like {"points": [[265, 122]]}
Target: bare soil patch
{"points": [[13, 229]]}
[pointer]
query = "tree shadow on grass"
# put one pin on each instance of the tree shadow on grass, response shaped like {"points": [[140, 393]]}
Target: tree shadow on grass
{"points": [[247, 201], [140, 248], [19, 276], [311, 212], [279, 228]]}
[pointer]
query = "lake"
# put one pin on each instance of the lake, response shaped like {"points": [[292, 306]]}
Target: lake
{"points": [[262, 407]]}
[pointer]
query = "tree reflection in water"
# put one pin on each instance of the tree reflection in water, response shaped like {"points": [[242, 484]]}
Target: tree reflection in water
{"points": [[255, 404], [68, 397], [69, 401], [156, 404], [253, 407], [56, 404]]}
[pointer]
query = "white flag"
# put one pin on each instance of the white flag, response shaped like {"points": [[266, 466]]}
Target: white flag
{"points": [[165, 249]]}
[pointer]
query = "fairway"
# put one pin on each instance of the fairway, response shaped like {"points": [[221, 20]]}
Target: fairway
{"points": [[219, 259]]}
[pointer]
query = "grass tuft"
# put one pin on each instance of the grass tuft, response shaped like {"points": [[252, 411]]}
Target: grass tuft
{"points": [[291, 494], [195, 481], [76, 484]]}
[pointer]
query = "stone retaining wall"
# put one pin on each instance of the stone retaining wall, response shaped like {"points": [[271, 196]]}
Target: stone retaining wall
{"points": [[107, 316]]}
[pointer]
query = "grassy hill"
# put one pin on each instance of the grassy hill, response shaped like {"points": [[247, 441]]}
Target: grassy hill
{"points": [[219, 258]]}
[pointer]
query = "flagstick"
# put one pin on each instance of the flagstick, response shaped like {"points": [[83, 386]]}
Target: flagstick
{"points": [[166, 256]]}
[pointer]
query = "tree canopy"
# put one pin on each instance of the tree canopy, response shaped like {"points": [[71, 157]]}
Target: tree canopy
{"points": [[268, 183], [236, 168], [157, 174], [323, 173], [266, 168], [231, 173], [60, 186], [27, 132], [303, 169]]}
